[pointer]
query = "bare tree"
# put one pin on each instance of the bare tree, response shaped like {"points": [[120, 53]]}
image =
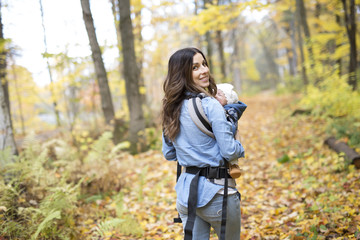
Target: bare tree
{"points": [[300, 44], [18, 95], [132, 75], [101, 75], [238, 40], [197, 36], [350, 21], [208, 40], [291, 53], [116, 22], [7, 135], [6, 130], [302, 17], [54, 102], [220, 46]]}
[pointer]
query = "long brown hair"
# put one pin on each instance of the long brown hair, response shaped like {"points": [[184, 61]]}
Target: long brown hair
{"points": [[178, 81]]}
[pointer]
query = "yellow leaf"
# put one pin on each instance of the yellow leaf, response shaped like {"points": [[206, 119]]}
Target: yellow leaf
{"points": [[278, 211], [310, 160], [142, 90], [89, 221]]}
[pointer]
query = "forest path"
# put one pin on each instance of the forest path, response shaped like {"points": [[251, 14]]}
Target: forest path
{"points": [[312, 193]]}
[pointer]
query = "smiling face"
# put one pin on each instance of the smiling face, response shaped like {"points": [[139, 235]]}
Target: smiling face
{"points": [[200, 71]]}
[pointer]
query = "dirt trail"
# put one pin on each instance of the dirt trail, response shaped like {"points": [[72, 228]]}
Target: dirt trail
{"points": [[258, 131], [313, 194]]}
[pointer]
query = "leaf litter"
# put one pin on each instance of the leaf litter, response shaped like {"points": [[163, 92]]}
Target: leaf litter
{"points": [[293, 186]]}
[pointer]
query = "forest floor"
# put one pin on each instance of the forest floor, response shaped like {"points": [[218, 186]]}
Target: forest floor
{"points": [[293, 186]]}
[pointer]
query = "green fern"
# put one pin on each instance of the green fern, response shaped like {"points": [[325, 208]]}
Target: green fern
{"points": [[126, 225], [142, 182], [5, 158], [100, 149], [46, 222], [36, 176], [119, 201], [108, 226], [31, 145]]}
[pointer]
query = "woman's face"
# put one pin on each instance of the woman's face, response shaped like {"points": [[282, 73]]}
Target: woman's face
{"points": [[200, 71]]}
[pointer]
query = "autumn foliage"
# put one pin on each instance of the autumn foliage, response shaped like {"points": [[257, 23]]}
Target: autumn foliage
{"points": [[294, 63], [293, 187]]}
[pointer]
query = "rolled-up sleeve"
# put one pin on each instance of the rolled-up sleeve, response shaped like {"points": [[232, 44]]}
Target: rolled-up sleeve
{"points": [[230, 148], [168, 149]]}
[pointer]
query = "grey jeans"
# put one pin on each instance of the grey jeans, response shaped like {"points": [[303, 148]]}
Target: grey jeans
{"points": [[210, 216]]}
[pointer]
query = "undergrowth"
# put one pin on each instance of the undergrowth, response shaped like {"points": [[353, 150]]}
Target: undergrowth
{"points": [[334, 100], [36, 199], [42, 188]]}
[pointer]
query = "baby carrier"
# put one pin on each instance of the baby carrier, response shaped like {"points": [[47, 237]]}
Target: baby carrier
{"points": [[198, 116]]}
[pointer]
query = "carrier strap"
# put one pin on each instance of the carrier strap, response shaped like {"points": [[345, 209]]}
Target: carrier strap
{"points": [[224, 209], [198, 116], [178, 172], [208, 172], [192, 203]]}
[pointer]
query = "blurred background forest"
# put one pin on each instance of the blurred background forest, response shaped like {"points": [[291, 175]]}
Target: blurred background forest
{"points": [[93, 90]]}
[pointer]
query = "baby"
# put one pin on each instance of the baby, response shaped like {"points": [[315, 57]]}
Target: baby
{"points": [[234, 109]]}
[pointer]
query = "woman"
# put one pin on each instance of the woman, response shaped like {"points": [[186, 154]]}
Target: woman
{"points": [[200, 194]]}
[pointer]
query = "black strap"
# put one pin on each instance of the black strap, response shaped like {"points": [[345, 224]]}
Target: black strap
{"points": [[203, 121], [224, 209], [209, 172], [192, 203], [178, 172]]}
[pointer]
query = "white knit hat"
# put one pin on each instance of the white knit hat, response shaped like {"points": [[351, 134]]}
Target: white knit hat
{"points": [[229, 93]]}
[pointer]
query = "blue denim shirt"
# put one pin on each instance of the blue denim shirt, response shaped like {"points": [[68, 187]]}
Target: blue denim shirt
{"points": [[192, 147]]}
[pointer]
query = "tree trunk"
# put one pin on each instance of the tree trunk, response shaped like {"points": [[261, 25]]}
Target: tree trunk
{"points": [[52, 92], [339, 147], [209, 42], [197, 36], [138, 41], [220, 43], [118, 35], [338, 61], [7, 135], [289, 58], [269, 57], [19, 98], [131, 74], [118, 135], [209, 50], [350, 23], [105, 94], [301, 49], [7, 140], [93, 105], [116, 21], [300, 7], [235, 63], [293, 61]]}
